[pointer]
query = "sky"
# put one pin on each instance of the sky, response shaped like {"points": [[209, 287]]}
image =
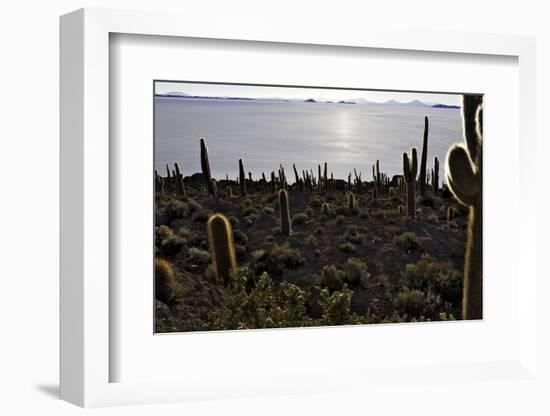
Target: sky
{"points": [[319, 94]]}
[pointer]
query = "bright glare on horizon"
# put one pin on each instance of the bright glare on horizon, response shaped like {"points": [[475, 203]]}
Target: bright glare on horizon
{"points": [[289, 93]]}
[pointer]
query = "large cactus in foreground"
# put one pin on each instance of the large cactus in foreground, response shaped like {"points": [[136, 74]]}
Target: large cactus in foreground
{"points": [[242, 178], [284, 212], [410, 169], [464, 167], [220, 237], [205, 165], [424, 159]]}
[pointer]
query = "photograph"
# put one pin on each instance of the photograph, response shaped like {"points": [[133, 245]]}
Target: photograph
{"points": [[290, 206]]}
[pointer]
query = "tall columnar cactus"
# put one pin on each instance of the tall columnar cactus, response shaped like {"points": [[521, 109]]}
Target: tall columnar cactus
{"points": [[205, 165], [424, 160], [325, 178], [410, 169], [319, 182], [351, 201], [220, 237], [264, 182], [377, 180], [242, 178], [273, 182], [284, 212], [464, 170], [435, 176], [180, 188], [296, 176]]}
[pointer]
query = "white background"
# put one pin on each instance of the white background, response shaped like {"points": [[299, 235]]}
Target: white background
{"points": [[29, 207]]}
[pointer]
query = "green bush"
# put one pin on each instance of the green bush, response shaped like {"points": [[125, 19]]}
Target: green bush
{"points": [[175, 208], [431, 275], [353, 235], [331, 277], [199, 256], [408, 241], [172, 245], [240, 238], [348, 248], [277, 259], [340, 219], [356, 272], [410, 302], [299, 219]]}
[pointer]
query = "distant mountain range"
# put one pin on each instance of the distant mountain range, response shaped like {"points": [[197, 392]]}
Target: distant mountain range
{"points": [[414, 103]]}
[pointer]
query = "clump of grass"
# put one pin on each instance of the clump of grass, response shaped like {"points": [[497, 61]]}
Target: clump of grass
{"points": [[408, 241], [318, 231], [348, 248], [353, 235], [268, 211], [199, 256], [431, 275], [311, 240], [356, 272], [317, 253], [298, 219], [433, 218], [277, 259], [308, 211], [331, 277], [340, 219], [240, 238], [410, 302], [175, 208], [249, 210], [165, 281]]}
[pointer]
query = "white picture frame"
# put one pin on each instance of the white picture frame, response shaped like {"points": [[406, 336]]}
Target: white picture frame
{"points": [[86, 353]]}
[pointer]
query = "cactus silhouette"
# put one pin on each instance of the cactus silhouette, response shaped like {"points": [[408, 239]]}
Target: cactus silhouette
{"points": [[464, 167], [180, 188], [284, 212], [435, 176], [242, 178], [423, 161], [205, 165], [400, 210], [220, 237], [351, 201], [273, 182], [325, 209], [410, 169]]}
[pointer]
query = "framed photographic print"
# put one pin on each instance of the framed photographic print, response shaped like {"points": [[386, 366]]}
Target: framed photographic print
{"points": [[281, 212]]}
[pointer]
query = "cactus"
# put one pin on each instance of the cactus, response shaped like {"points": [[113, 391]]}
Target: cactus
{"points": [[450, 214], [325, 178], [464, 169], [351, 201], [250, 178], [273, 182], [242, 179], [205, 165], [435, 176], [401, 210], [284, 212], [264, 182], [423, 161], [325, 209], [180, 188], [220, 237], [296, 176], [410, 169], [229, 192]]}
